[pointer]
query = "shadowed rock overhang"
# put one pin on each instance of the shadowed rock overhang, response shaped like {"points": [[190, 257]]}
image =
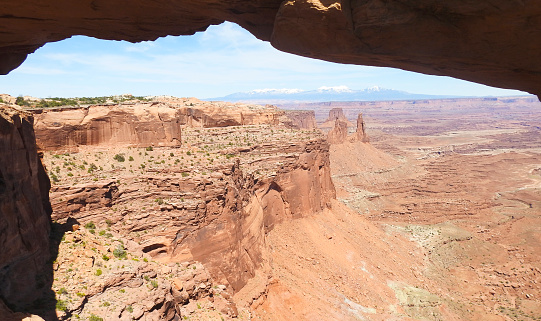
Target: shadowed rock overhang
{"points": [[494, 42]]}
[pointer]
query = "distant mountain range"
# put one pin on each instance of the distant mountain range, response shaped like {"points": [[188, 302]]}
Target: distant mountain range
{"points": [[339, 93]]}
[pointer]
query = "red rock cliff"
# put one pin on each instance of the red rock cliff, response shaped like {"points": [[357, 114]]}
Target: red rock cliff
{"points": [[138, 125], [24, 212]]}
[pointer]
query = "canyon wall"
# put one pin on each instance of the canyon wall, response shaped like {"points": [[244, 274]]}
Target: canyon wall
{"points": [[24, 213], [300, 119], [141, 124], [219, 220], [137, 124], [494, 42]]}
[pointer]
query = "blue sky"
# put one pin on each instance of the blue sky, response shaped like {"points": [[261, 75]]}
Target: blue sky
{"points": [[223, 60]]}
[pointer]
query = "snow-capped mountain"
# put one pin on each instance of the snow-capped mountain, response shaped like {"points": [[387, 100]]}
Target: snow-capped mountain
{"points": [[324, 93]]}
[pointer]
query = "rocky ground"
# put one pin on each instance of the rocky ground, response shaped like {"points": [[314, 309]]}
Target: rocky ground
{"points": [[469, 197]]}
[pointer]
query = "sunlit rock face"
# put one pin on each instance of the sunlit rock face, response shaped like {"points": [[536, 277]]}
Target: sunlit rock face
{"points": [[495, 42]]}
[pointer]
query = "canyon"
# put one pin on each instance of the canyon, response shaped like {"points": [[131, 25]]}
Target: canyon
{"points": [[423, 210]]}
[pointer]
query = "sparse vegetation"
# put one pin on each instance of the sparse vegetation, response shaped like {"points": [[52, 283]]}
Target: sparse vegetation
{"points": [[94, 317], [61, 305], [119, 252], [119, 158], [90, 225]]}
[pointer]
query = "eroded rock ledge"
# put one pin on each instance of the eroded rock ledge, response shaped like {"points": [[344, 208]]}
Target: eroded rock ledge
{"points": [[496, 42]]}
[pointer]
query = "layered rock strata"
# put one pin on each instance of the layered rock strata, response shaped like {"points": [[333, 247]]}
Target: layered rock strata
{"points": [[24, 213], [299, 119], [339, 133], [170, 210], [141, 123]]}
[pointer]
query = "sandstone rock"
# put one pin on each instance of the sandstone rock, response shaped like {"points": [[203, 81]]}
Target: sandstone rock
{"points": [[300, 119], [360, 134], [339, 133], [138, 125], [24, 213], [334, 115]]}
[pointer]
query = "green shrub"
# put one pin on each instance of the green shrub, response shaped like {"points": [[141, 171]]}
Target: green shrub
{"points": [[119, 252], [149, 149], [99, 272], [94, 317], [129, 308], [90, 225], [61, 305], [131, 159], [54, 178], [105, 257], [119, 158], [184, 174], [154, 283]]}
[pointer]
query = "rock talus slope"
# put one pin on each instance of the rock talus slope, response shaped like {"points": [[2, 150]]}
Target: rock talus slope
{"points": [[494, 42], [24, 213]]}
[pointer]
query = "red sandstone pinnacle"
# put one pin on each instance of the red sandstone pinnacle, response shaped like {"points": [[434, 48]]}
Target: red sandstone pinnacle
{"points": [[360, 134]]}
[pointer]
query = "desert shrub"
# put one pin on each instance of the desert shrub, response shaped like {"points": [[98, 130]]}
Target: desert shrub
{"points": [[94, 317], [105, 257], [21, 102], [119, 158], [129, 308], [99, 272], [154, 283], [53, 177], [119, 252], [184, 174], [61, 305], [131, 159], [149, 149], [90, 225]]}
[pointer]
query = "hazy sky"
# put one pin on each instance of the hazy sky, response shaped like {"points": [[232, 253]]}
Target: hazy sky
{"points": [[223, 60]]}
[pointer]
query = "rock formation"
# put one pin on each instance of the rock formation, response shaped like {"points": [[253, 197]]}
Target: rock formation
{"points": [[24, 213], [138, 125], [334, 115], [495, 43], [299, 119], [360, 134], [339, 133]]}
